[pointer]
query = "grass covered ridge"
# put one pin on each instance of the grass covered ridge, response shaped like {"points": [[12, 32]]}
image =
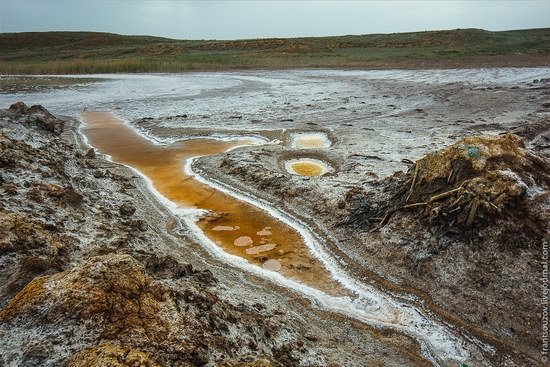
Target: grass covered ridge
{"points": [[91, 52]]}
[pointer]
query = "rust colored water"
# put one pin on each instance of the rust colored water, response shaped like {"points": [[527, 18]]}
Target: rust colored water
{"points": [[238, 227], [307, 167]]}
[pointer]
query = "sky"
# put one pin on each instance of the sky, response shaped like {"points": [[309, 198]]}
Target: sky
{"points": [[226, 19]]}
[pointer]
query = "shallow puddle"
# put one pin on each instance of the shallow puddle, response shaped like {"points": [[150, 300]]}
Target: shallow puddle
{"points": [[307, 167], [239, 228], [309, 140]]}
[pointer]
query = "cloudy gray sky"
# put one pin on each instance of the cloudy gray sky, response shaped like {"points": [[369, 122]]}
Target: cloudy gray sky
{"points": [[223, 19]]}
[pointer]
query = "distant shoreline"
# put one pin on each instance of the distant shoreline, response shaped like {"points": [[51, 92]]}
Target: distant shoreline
{"points": [[483, 62]]}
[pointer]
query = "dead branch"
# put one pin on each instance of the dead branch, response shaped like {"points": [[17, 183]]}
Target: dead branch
{"points": [[444, 195]]}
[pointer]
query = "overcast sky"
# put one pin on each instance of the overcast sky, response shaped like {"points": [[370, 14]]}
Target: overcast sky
{"points": [[256, 19]]}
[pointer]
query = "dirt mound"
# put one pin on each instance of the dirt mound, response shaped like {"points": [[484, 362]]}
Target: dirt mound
{"points": [[471, 182], [111, 299], [36, 115], [466, 225], [112, 291]]}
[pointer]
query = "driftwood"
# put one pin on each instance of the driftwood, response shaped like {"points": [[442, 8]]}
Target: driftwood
{"points": [[412, 206], [449, 178], [473, 212]]}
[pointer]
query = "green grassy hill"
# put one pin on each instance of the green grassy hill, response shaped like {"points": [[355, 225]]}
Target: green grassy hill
{"points": [[90, 52]]}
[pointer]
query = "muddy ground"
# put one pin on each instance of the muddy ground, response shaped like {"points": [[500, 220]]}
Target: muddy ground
{"points": [[76, 219]]}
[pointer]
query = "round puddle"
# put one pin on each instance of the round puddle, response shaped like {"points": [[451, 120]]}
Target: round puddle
{"points": [[309, 140], [307, 167]]}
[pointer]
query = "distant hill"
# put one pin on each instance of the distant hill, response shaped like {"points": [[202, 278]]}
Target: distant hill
{"points": [[92, 52]]}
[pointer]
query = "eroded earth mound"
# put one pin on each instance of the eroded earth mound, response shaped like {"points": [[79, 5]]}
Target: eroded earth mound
{"points": [[470, 221], [474, 182]]}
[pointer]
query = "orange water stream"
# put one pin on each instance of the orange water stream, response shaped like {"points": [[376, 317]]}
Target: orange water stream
{"points": [[238, 227]]}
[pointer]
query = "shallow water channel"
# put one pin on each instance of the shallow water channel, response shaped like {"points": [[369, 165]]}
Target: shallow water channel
{"points": [[239, 228]]}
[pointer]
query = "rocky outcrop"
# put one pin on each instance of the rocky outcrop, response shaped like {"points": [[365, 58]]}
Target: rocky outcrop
{"points": [[112, 291], [111, 300], [108, 298], [36, 116]]}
